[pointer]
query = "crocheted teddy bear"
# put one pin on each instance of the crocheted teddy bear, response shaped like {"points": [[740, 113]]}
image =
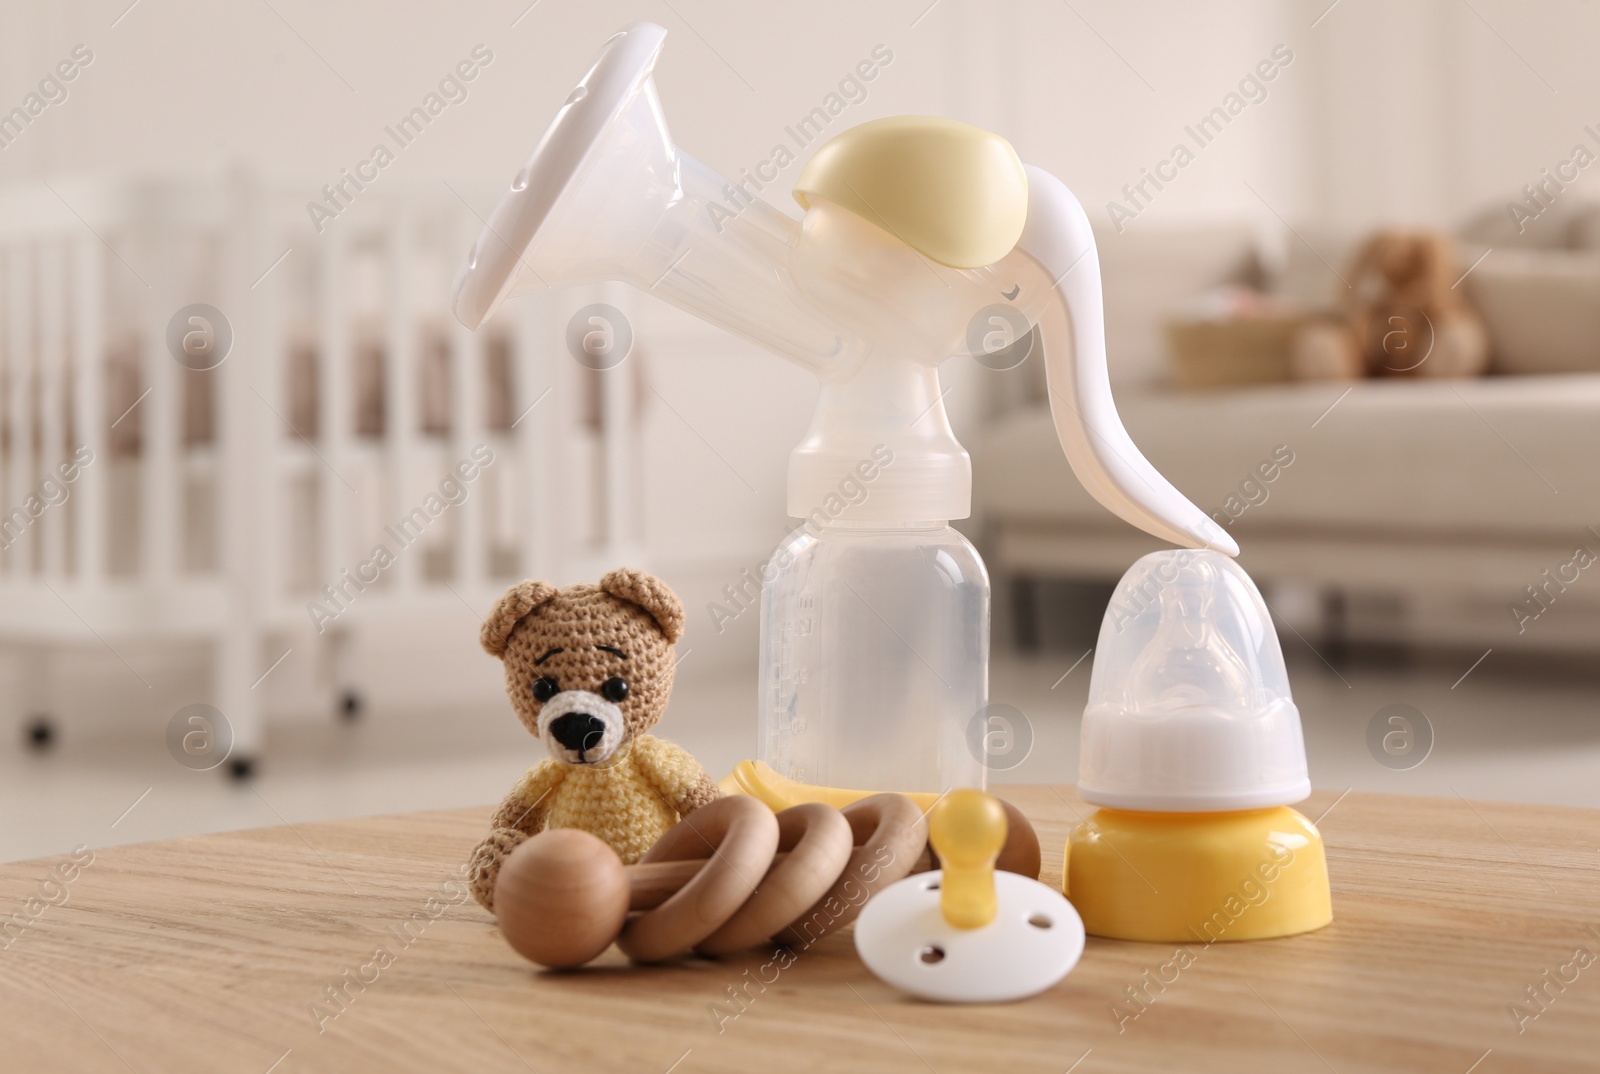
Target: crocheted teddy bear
{"points": [[1401, 316], [589, 670]]}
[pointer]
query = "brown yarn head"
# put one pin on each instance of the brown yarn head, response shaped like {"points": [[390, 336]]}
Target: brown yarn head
{"points": [[1400, 301], [582, 636]]}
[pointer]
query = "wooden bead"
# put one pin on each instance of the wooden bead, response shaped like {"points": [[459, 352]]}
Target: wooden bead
{"points": [[561, 898]]}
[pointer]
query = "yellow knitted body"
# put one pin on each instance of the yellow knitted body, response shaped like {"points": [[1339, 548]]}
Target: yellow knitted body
{"points": [[627, 802]]}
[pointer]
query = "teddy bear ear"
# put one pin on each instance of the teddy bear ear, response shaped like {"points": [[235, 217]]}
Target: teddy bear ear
{"points": [[649, 593], [518, 601]]}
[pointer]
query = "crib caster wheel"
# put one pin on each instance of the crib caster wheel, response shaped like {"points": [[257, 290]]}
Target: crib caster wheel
{"points": [[40, 733], [242, 769], [350, 705]]}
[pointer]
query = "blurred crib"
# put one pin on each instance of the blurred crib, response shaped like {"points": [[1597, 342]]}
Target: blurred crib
{"points": [[216, 505]]}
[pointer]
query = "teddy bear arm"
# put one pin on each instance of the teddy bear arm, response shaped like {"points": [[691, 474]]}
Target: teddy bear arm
{"points": [[702, 792], [487, 858], [517, 813], [677, 777], [521, 815]]}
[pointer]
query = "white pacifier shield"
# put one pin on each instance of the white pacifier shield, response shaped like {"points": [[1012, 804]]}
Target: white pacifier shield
{"points": [[1033, 942]]}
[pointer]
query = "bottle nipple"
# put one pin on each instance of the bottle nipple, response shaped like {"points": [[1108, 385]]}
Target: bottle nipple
{"points": [[1188, 661], [967, 829]]}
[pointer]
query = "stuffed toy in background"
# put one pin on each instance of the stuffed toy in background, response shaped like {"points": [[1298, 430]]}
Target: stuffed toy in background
{"points": [[589, 670], [1401, 316]]}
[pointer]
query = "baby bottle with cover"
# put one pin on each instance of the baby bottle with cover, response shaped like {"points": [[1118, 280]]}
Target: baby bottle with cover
{"points": [[1192, 748]]}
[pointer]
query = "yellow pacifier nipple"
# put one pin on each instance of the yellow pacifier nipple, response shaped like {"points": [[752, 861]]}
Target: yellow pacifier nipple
{"points": [[967, 829], [995, 937]]}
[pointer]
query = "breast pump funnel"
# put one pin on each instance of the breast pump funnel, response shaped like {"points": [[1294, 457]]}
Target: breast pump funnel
{"points": [[606, 195]]}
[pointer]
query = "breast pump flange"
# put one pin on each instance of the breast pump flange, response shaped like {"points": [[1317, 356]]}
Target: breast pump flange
{"points": [[856, 293]]}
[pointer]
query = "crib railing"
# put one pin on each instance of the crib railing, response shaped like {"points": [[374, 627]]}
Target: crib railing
{"points": [[146, 499]]}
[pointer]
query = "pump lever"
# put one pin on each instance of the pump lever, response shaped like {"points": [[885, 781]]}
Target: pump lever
{"points": [[1072, 331]]}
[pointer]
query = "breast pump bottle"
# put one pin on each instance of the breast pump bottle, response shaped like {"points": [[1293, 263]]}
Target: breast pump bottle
{"points": [[874, 652], [875, 612]]}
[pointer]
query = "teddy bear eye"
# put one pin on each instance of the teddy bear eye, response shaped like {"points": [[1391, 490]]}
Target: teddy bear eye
{"points": [[546, 688], [615, 690]]}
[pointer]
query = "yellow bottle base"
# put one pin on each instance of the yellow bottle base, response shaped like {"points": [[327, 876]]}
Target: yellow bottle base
{"points": [[1197, 877], [758, 780]]}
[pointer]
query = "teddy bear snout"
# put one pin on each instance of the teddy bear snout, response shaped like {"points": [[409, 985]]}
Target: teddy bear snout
{"points": [[578, 730], [580, 727]]}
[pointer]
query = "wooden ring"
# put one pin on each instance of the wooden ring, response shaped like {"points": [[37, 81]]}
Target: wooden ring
{"points": [[1020, 854], [891, 834], [820, 843], [737, 837]]}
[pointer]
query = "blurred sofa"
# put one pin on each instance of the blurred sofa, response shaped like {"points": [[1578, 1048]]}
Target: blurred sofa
{"points": [[1425, 511]]}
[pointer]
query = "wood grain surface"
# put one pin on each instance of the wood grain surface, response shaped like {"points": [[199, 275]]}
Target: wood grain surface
{"points": [[217, 954]]}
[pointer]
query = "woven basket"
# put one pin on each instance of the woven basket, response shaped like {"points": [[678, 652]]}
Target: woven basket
{"points": [[1214, 354]]}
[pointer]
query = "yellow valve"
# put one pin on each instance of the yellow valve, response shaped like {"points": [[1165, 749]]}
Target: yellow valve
{"points": [[955, 193], [967, 829]]}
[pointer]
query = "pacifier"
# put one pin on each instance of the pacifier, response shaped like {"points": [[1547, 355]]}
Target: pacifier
{"points": [[967, 933]]}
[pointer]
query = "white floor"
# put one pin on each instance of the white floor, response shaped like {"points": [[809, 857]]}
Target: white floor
{"points": [[1515, 734]]}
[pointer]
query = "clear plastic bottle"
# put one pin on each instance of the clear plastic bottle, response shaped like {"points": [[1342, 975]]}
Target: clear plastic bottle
{"points": [[875, 656]]}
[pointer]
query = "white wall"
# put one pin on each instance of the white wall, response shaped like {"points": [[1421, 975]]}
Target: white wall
{"points": [[1426, 112], [1408, 109], [1390, 111]]}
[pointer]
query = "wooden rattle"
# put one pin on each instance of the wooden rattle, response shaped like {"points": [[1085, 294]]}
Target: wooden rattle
{"points": [[714, 881], [729, 876]]}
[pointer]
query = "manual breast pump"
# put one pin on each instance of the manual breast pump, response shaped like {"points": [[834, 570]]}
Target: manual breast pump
{"points": [[875, 613]]}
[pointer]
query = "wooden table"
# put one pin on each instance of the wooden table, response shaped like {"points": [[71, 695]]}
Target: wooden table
{"points": [[207, 954]]}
